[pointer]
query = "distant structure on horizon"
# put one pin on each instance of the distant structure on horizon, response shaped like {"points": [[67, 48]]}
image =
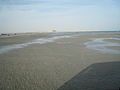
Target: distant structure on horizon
{"points": [[54, 31]]}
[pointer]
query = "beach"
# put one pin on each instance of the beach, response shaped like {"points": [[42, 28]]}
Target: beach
{"points": [[50, 64]]}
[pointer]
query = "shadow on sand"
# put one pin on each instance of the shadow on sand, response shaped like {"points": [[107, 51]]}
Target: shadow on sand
{"points": [[99, 76]]}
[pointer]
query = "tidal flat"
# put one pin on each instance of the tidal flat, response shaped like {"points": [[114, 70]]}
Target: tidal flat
{"points": [[52, 65]]}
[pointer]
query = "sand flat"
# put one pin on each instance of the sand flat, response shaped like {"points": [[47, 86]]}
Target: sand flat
{"points": [[21, 38], [49, 66]]}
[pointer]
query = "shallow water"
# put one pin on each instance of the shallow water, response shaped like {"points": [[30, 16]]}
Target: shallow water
{"points": [[4, 49], [100, 44]]}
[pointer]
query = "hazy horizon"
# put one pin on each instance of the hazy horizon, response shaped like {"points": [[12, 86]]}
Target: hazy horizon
{"points": [[61, 15]]}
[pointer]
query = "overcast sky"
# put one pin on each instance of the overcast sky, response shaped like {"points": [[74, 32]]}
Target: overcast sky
{"points": [[62, 15]]}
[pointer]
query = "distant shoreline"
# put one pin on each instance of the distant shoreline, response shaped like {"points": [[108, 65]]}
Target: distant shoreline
{"points": [[6, 35]]}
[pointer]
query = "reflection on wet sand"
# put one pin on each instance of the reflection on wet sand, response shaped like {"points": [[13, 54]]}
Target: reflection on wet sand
{"points": [[102, 45]]}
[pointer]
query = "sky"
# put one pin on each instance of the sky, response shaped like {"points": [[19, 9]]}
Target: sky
{"points": [[59, 15]]}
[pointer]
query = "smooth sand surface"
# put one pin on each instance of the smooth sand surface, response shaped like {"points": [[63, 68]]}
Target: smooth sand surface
{"points": [[49, 66]]}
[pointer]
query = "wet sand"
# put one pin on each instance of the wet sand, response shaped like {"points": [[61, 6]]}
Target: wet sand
{"points": [[20, 38], [49, 66]]}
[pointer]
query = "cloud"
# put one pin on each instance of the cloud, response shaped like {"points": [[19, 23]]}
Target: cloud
{"points": [[21, 2], [46, 5]]}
